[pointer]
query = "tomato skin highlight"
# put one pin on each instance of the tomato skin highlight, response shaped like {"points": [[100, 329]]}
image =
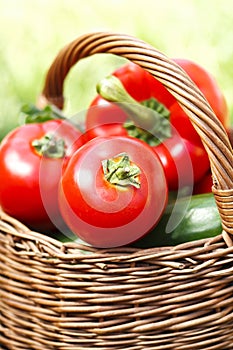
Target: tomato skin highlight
{"points": [[106, 215], [28, 180]]}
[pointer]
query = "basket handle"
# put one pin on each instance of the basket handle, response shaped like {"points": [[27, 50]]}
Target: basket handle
{"points": [[176, 81]]}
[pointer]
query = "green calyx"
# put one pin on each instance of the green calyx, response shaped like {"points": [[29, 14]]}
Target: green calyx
{"points": [[148, 120], [119, 170], [49, 146], [33, 114]]}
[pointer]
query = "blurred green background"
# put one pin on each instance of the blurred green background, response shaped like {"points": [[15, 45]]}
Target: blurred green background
{"points": [[33, 31]]}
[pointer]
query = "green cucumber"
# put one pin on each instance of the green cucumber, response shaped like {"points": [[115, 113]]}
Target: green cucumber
{"points": [[189, 219]]}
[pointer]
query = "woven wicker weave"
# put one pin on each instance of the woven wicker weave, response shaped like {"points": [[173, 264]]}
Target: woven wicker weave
{"points": [[66, 296]]}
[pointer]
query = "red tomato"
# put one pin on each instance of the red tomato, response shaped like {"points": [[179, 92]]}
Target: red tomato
{"points": [[210, 89], [110, 214], [112, 129], [107, 118], [204, 185], [139, 84], [142, 86], [181, 161], [28, 178]]}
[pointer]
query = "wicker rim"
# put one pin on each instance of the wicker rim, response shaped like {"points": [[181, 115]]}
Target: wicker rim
{"points": [[176, 81]]}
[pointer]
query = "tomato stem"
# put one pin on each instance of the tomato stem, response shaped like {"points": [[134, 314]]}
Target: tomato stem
{"points": [[150, 115], [49, 146], [119, 170]]}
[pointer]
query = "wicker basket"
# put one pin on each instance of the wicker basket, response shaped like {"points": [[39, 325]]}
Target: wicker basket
{"points": [[54, 296]]}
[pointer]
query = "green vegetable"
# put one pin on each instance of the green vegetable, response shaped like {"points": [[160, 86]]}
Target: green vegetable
{"points": [[184, 220]]}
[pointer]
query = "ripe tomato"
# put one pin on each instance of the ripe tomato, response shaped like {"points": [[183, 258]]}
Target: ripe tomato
{"points": [[111, 129], [31, 161], [113, 191], [210, 89], [110, 110], [142, 86], [204, 185], [181, 161], [139, 84]]}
